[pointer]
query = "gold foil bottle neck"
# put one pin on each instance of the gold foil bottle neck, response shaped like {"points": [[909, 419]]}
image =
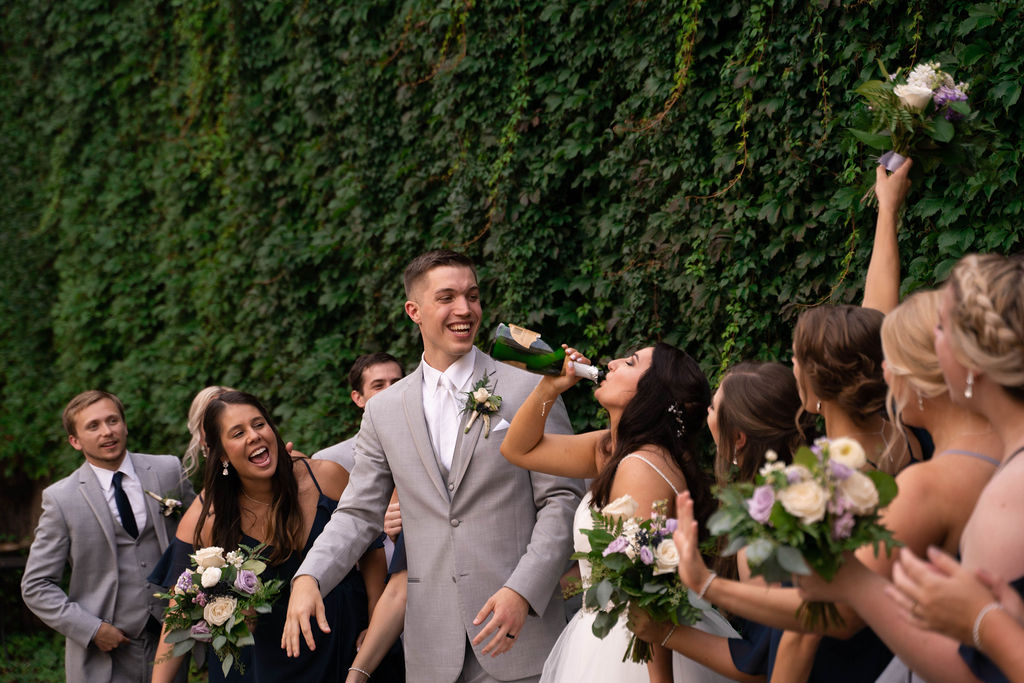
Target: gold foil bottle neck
{"points": [[523, 336]]}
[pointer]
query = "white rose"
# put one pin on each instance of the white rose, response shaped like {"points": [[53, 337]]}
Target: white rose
{"points": [[481, 395], [211, 575], [209, 557], [860, 493], [914, 97], [621, 507], [806, 500], [666, 557], [848, 452], [219, 610]]}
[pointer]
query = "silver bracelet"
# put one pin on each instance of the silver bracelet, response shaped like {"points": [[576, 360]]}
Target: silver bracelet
{"points": [[668, 635], [356, 668], [707, 584], [976, 629]]}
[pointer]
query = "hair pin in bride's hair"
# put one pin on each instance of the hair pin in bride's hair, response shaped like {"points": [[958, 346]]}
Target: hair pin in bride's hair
{"points": [[678, 414]]}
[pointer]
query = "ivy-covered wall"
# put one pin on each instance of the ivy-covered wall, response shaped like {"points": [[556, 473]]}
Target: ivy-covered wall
{"points": [[200, 192]]}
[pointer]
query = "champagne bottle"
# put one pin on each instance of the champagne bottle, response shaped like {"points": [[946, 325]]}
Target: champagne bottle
{"points": [[525, 349]]}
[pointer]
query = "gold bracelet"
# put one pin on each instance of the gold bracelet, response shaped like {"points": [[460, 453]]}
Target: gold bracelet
{"points": [[668, 635]]}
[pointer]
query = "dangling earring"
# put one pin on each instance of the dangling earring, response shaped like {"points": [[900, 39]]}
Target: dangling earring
{"points": [[224, 472], [969, 389], [920, 401], [818, 407]]}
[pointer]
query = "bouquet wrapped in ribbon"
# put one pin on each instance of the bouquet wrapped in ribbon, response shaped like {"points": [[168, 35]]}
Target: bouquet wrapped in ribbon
{"points": [[213, 601], [634, 560], [915, 113], [802, 517]]}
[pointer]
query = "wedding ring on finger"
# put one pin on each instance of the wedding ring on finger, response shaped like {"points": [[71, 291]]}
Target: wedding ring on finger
{"points": [[509, 635]]}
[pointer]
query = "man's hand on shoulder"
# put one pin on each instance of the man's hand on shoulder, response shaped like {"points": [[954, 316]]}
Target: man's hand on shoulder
{"points": [[108, 637], [305, 602], [509, 611]]}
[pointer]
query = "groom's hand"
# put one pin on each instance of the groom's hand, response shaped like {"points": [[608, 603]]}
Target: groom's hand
{"points": [[509, 609], [303, 604]]}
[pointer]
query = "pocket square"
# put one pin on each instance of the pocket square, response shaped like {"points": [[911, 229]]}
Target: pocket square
{"points": [[502, 425]]}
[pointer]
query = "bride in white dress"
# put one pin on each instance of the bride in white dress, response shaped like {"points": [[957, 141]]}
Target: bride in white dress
{"points": [[656, 400]]}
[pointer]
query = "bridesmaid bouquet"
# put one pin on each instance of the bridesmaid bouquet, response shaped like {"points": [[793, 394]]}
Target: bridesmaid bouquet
{"points": [[915, 114], [634, 560], [212, 602], [803, 517]]}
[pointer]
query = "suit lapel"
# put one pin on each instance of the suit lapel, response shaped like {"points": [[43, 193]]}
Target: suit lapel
{"points": [[465, 445], [412, 401], [151, 482], [89, 487]]}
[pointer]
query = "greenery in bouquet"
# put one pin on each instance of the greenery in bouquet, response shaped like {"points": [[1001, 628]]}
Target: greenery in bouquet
{"points": [[634, 560], [213, 601], [794, 519], [917, 113]]}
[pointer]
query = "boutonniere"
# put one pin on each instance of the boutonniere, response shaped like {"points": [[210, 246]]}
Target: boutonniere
{"points": [[168, 506], [482, 401]]}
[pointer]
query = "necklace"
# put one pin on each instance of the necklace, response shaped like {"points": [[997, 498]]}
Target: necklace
{"points": [[260, 502]]}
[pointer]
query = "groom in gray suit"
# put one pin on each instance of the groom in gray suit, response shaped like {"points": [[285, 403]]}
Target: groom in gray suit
{"points": [[486, 541], [101, 522]]}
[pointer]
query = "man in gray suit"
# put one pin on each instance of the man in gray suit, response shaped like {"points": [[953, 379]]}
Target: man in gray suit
{"points": [[486, 541], [101, 521]]}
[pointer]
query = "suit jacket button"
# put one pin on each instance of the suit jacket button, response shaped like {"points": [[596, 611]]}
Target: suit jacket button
{"points": [[455, 522], [451, 487]]}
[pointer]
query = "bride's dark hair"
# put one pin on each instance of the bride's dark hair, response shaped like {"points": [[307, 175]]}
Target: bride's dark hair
{"points": [[220, 492], [668, 411]]}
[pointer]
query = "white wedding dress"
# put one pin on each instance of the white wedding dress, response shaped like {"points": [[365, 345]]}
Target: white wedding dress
{"points": [[579, 655]]}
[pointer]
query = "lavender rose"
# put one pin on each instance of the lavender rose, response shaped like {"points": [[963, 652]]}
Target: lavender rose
{"points": [[842, 527], [201, 631], [617, 546], [246, 581], [646, 556], [760, 504]]}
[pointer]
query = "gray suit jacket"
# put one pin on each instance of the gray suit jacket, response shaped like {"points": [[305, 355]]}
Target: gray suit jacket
{"points": [[486, 525], [77, 528]]}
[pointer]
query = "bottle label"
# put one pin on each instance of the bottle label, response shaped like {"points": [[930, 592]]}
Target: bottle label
{"points": [[523, 336]]}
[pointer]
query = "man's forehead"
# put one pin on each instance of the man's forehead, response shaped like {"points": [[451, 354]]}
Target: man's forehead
{"points": [[449, 277], [99, 410]]}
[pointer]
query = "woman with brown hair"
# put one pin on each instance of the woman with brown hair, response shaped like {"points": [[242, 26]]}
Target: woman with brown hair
{"points": [[255, 493]]}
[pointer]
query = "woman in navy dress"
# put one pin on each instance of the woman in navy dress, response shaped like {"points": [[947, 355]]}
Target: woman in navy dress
{"points": [[253, 493]]}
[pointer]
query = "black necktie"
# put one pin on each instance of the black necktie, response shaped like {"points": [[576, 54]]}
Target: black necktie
{"points": [[124, 508]]}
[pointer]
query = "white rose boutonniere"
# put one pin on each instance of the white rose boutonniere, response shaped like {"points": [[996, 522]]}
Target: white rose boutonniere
{"points": [[481, 400], [168, 506]]}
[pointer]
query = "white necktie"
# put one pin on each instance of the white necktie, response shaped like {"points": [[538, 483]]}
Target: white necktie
{"points": [[448, 422]]}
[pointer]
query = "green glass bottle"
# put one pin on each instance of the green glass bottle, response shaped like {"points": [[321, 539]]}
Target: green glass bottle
{"points": [[525, 349]]}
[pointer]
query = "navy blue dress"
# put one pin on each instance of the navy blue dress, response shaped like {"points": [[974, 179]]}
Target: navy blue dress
{"points": [[345, 606], [860, 658]]}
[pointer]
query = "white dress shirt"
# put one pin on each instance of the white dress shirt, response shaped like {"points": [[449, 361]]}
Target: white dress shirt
{"points": [[132, 488], [436, 392]]}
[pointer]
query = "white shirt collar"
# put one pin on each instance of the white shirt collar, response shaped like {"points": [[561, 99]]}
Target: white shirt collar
{"points": [[106, 477], [459, 373]]}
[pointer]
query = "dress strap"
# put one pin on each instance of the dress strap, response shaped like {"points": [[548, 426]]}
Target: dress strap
{"points": [[305, 461], [971, 454], [655, 468]]}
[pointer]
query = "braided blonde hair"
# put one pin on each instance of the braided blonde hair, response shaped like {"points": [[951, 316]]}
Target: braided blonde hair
{"points": [[196, 446], [987, 320]]}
